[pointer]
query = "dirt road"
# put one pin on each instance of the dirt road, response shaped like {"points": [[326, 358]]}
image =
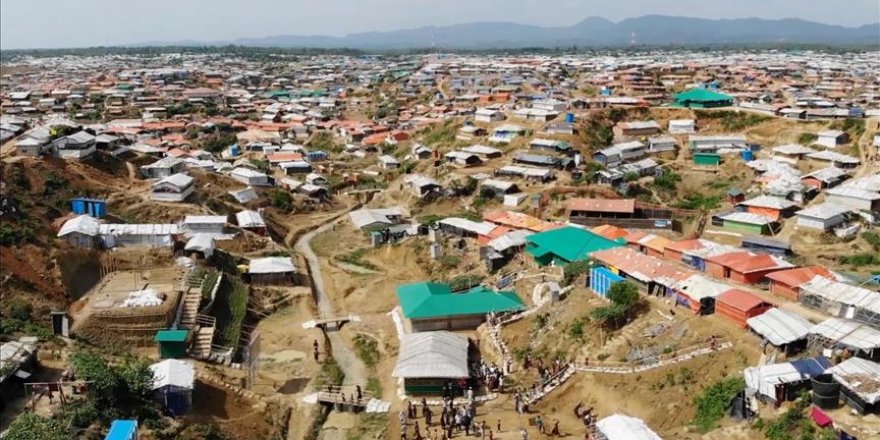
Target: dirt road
{"points": [[355, 372]]}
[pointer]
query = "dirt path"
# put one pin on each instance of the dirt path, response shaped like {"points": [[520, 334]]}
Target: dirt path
{"points": [[355, 372]]}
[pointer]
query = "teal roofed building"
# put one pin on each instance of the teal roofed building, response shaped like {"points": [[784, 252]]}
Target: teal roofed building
{"points": [[434, 306], [702, 98], [565, 245]]}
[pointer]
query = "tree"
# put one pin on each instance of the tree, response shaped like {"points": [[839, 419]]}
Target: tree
{"points": [[623, 296], [281, 199], [119, 390], [30, 426]]}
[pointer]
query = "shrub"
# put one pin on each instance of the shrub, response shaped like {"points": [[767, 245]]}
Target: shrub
{"points": [[367, 349], [713, 401], [667, 181], [30, 426], [20, 310], [807, 138], [281, 199]]}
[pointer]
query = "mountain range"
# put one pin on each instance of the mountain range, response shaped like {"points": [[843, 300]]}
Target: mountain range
{"points": [[653, 30]]}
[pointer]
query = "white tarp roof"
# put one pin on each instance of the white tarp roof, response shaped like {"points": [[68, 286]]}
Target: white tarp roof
{"points": [[848, 333], [204, 220], [842, 293], [250, 219], [698, 287], [764, 378], [179, 180], [139, 229], [174, 372], [271, 265], [481, 228], [511, 239], [859, 375], [621, 427], [84, 224], [200, 243], [779, 326], [439, 354], [366, 216]]}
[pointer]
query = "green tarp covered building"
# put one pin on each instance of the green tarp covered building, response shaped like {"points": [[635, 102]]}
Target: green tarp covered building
{"points": [[702, 98], [172, 343], [567, 244], [434, 306]]}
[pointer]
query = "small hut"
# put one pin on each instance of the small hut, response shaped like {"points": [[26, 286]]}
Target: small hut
{"points": [[173, 382]]}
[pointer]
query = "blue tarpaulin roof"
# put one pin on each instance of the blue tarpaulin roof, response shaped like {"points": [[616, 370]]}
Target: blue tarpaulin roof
{"points": [[122, 430]]}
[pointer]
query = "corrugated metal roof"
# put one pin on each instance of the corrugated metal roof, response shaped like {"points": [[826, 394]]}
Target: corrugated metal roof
{"points": [[83, 224], [437, 354], [843, 293], [764, 378], [779, 326], [271, 265], [848, 333], [859, 375]]}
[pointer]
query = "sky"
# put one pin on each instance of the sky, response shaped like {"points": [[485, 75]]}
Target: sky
{"points": [[84, 23]]}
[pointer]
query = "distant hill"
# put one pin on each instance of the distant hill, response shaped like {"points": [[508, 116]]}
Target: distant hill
{"points": [[594, 31]]}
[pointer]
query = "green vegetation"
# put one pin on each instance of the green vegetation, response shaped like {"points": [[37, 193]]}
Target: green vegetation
{"points": [[356, 258], [367, 349], [807, 138], [374, 387], [331, 374], [118, 390], [863, 259], [20, 310], [713, 401], [218, 142], [211, 278], [795, 425], [576, 329], [281, 199], [573, 270], [855, 127], [30, 426], [732, 120], [230, 308], [28, 327], [442, 134], [873, 239], [449, 261], [624, 297], [323, 141], [700, 201], [463, 282], [667, 181]]}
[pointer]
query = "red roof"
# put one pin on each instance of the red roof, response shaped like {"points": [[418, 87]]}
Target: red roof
{"points": [[286, 156], [610, 232], [685, 245], [627, 206], [801, 275], [745, 262], [636, 263], [740, 299]]}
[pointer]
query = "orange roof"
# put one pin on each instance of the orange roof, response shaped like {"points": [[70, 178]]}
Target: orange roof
{"points": [[635, 236], [375, 139], [685, 245], [610, 232], [796, 277], [745, 262], [176, 152], [285, 156], [740, 299], [658, 243], [602, 205], [518, 220], [640, 265]]}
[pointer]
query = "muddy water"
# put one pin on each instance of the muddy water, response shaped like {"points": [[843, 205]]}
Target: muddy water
{"points": [[80, 271]]}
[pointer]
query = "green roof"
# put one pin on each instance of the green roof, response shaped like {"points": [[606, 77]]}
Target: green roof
{"points": [[435, 300], [172, 335], [568, 243], [702, 95]]}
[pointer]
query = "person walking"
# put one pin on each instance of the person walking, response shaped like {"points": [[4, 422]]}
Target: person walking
{"points": [[539, 423], [523, 434]]}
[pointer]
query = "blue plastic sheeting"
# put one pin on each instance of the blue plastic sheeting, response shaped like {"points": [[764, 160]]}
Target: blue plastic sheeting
{"points": [[601, 280], [123, 430]]}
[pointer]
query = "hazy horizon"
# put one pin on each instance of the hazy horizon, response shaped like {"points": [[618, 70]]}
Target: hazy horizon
{"points": [[87, 23]]}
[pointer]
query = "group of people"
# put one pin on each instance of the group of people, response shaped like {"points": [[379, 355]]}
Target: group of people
{"points": [[454, 419], [492, 376]]}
